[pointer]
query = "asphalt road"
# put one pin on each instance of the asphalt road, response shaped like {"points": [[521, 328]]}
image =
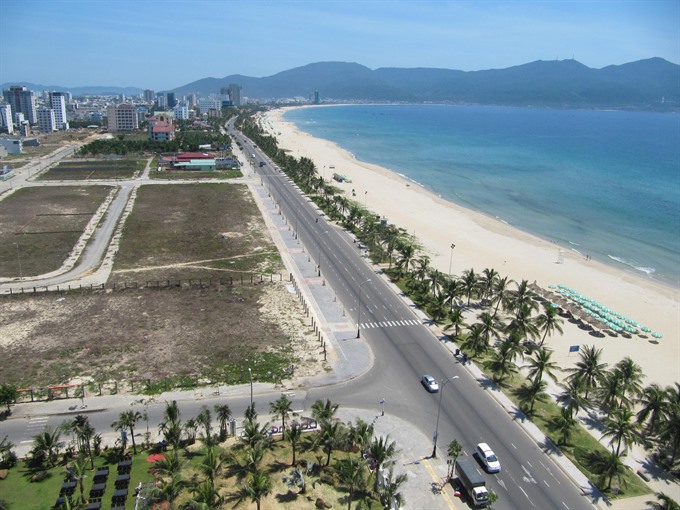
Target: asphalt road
{"points": [[529, 479]]}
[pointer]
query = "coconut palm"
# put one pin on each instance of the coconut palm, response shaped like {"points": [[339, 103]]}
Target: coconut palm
{"points": [[293, 434], [250, 413], [211, 465], [501, 293], [610, 392], [564, 424], [390, 495], [361, 434], [171, 465], [548, 322], [501, 363], [453, 450], [78, 474], [191, 428], [521, 297], [665, 502], [282, 408], [487, 283], [621, 428], [452, 290], [491, 326], [171, 427], [669, 431], [204, 420], [532, 391], [522, 324], [205, 497], [653, 404], [328, 438], [255, 434], [540, 365], [223, 413], [352, 474], [169, 490], [456, 321], [128, 421], [630, 379], [474, 341], [590, 368], [608, 465], [324, 410], [258, 487], [572, 396], [379, 452], [470, 285], [47, 445]]}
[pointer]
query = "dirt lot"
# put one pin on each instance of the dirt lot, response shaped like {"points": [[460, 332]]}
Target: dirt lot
{"points": [[175, 232]]}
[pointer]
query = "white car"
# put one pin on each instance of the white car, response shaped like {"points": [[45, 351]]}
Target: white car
{"points": [[488, 458], [430, 383]]}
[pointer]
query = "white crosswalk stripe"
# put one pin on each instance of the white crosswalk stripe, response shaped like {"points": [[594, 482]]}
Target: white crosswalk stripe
{"points": [[390, 324]]}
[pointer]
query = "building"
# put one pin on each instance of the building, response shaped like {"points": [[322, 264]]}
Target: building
{"points": [[122, 117], [161, 101], [58, 104], [47, 121], [22, 100], [149, 95], [161, 128], [206, 104], [181, 111], [6, 118], [171, 101], [12, 145], [235, 94]]}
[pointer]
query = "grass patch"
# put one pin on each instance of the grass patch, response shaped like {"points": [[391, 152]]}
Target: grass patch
{"points": [[84, 170], [189, 175]]}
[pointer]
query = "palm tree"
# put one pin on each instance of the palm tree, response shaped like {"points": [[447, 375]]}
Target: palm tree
{"points": [[470, 284], [169, 490], [205, 496], [390, 495], [351, 473], [324, 411], [501, 363], [474, 340], [621, 428], [191, 427], [253, 458], [572, 396], [361, 434], [211, 465], [78, 474], [540, 365], [490, 326], [293, 434], [380, 451], [522, 326], [487, 282], [530, 392], [328, 438], [84, 432], [669, 431], [47, 445], [223, 413], [631, 379], [282, 407], [501, 293], [255, 434], [548, 322], [564, 423], [589, 368], [128, 421], [608, 465], [521, 297], [171, 465], [456, 321], [257, 488], [452, 290], [204, 419], [453, 450], [171, 427], [251, 413], [610, 392], [665, 502], [653, 406]]}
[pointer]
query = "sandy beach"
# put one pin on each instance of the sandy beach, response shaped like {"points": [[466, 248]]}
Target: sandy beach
{"points": [[484, 242]]}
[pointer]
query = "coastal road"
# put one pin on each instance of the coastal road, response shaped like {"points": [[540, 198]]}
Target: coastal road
{"points": [[404, 349]]}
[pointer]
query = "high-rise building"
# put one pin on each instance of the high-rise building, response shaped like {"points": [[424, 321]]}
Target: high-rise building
{"points": [[235, 94], [171, 99], [47, 120], [22, 100], [149, 95], [6, 118], [58, 104], [161, 101], [181, 111], [209, 103], [122, 117]]}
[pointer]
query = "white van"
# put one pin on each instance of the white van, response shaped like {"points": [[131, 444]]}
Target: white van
{"points": [[488, 458]]}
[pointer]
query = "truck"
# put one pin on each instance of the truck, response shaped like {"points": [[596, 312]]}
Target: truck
{"points": [[472, 482]]}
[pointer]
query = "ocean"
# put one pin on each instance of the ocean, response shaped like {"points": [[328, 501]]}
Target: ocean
{"points": [[602, 183]]}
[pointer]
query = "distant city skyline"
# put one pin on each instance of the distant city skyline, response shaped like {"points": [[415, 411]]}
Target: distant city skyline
{"points": [[162, 45]]}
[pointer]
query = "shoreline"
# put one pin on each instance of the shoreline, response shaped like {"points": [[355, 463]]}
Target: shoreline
{"points": [[482, 241]]}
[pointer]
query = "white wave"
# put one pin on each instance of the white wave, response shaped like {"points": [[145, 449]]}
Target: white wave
{"points": [[633, 264]]}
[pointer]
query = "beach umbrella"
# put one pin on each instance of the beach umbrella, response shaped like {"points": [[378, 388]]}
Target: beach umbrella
{"points": [[657, 335], [646, 329]]}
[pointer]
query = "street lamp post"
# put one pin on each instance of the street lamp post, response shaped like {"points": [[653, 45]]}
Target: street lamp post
{"points": [[439, 409], [451, 259], [250, 371], [365, 193], [21, 275], [382, 410], [359, 312]]}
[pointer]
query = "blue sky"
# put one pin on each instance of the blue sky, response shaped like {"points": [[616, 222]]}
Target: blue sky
{"points": [[168, 43]]}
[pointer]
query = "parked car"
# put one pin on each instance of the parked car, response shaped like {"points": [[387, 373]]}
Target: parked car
{"points": [[430, 383], [488, 458]]}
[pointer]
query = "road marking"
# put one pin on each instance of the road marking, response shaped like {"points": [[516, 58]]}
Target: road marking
{"points": [[502, 484], [565, 505], [513, 446], [523, 492], [546, 483]]}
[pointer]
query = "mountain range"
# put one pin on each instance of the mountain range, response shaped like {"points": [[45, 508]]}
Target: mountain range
{"points": [[645, 84]]}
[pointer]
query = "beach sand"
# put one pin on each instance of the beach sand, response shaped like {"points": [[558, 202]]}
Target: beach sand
{"points": [[484, 242]]}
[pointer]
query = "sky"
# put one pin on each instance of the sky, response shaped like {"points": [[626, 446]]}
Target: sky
{"points": [[164, 44]]}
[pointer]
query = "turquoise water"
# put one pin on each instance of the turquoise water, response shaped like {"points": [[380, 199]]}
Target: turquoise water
{"points": [[603, 183]]}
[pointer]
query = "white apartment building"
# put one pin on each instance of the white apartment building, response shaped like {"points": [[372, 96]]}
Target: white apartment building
{"points": [[47, 120], [58, 104], [181, 112], [122, 117], [6, 118], [209, 103]]}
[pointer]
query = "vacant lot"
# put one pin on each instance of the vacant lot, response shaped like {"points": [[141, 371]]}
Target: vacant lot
{"points": [[175, 232], [87, 169], [40, 226]]}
